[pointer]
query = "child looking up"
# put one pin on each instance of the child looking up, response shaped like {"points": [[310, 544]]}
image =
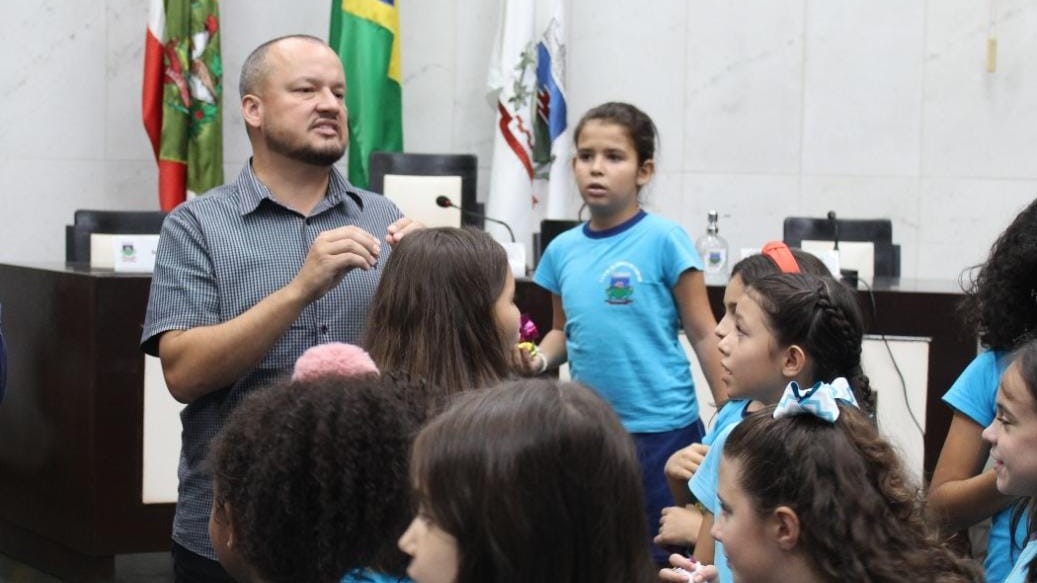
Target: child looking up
{"points": [[1001, 309], [529, 481], [788, 327], [679, 525], [810, 492], [444, 311], [623, 285]]}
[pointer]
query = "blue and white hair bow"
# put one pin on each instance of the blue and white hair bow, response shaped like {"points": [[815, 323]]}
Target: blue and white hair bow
{"points": [[820, 400]]}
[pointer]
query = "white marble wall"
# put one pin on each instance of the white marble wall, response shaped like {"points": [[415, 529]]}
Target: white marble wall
{"points": [[766, 109]]}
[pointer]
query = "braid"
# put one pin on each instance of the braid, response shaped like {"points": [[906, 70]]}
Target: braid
{"points": [[847, 334], [821, 315]]}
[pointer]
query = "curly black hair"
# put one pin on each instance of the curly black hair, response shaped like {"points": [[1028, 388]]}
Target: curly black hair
{"points": [[1000, 303], [314, 475]]}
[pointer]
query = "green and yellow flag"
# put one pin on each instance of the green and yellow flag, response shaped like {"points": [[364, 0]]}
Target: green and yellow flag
{"points": [[366, 35]]}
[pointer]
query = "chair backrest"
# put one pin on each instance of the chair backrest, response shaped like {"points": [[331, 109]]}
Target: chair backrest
{"points": [[464, 166], [86, 222], [879, 232], [549, 229]]}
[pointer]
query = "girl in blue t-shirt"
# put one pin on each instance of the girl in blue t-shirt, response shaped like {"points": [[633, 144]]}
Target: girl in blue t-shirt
{"points": [[624, 284], [810, 492], [679, 525], [1000, 307], [1013, 440], [788, 328]]}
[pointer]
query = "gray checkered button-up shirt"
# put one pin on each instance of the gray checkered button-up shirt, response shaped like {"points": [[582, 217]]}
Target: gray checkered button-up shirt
{"points": [[218, 256]]}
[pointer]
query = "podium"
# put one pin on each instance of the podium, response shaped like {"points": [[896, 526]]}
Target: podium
{"points": [[71, 427]]}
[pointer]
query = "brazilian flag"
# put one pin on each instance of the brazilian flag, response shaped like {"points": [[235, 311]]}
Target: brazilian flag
{"points": [[366, 35]]}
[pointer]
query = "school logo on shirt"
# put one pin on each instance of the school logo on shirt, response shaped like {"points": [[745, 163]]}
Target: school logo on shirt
{"points": [[619, 281]]}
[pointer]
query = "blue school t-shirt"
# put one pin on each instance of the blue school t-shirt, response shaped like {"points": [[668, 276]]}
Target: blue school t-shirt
{"points": [[704, 487], [974, 395], [622, 320], [369, 576], [1022, 564], [703, 484], [730, 413]]}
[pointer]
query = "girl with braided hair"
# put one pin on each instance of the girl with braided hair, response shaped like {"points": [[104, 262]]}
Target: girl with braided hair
{"points": [[788, 328], [679, 525], [810, 492]]}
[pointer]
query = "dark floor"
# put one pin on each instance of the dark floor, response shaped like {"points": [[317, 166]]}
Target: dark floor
{"points": [[136, 568]]}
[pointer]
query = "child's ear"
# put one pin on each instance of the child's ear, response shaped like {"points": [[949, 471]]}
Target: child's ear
{"points": [[786, 528], [794, 362], [645, 172], [221, 513]]}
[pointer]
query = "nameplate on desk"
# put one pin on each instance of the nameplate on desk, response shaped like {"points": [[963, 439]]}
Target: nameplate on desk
{"points": [[123, 253]]}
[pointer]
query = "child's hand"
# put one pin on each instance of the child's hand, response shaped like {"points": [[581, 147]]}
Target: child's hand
{"points": [[683, 464], [685, 569], [527, 359], [678, 526]]}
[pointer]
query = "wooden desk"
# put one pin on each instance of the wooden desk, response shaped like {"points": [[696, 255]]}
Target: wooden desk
{"points": [[71, 426], [904, 307]]}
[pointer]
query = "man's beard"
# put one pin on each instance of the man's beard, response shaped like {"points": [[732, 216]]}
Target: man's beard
{"points": [[305, 153]]}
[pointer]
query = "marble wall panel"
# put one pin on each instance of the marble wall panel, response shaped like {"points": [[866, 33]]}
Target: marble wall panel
{"points": [[744, 92], [862, 91]]}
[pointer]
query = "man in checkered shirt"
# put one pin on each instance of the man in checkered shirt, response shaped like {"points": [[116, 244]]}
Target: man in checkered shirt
{"points": [[254, 272]]}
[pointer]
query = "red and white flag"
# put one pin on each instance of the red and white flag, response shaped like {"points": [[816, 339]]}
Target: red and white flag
{"points": [[526, 81]]}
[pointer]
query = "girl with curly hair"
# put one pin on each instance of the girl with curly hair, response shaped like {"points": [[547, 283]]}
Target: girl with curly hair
{"points": [[529, 481], [1012, 437], [1001, 308], [787, 327], [444, 311], [810, 492], [310, 480]]}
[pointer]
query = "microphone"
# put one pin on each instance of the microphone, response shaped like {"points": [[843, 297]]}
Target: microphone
{"points": [[835, 229], [445, 202]]}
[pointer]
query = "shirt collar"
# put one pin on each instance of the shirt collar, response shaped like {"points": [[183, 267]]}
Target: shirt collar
{"points": [[252, 192]]}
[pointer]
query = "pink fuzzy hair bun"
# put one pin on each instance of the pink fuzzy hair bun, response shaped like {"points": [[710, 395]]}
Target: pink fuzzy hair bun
{"points": [[334, 359]]}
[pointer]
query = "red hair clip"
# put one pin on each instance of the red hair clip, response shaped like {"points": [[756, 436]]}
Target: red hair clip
{"points": [[782, 256]]}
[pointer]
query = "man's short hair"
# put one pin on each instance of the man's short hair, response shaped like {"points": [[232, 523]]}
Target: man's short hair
{"points": [[254, 70]]}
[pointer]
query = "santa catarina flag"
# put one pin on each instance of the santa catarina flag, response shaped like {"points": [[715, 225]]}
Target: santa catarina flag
{"points": [[182, 96], [366, 35]]}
